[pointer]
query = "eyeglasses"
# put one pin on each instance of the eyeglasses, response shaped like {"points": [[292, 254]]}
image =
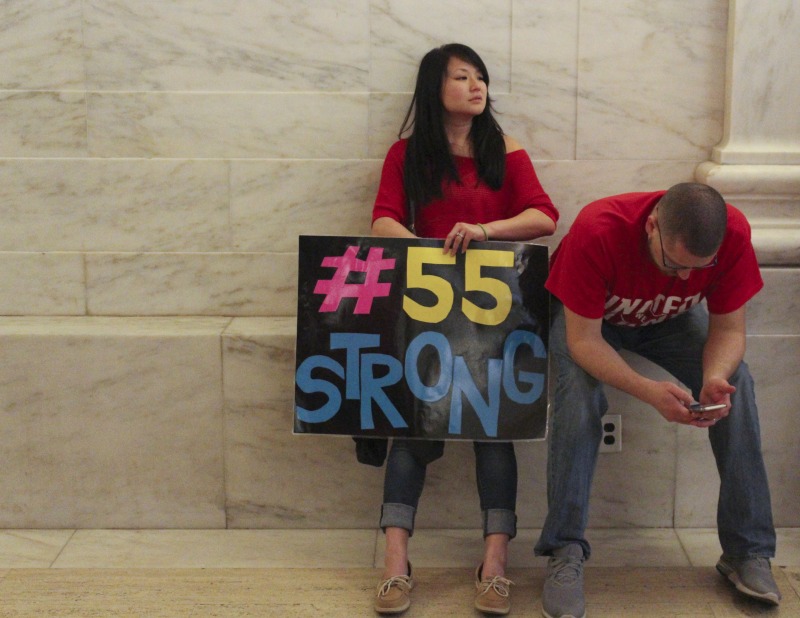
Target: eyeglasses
{"points": [[670, 265]]}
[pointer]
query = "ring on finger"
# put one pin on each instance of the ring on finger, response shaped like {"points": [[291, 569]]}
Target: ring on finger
{"points": [[459, 234]]}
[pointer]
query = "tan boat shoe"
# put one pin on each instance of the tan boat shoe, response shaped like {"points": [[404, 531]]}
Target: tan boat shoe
{"points": [[493, 595], [394, 594]]}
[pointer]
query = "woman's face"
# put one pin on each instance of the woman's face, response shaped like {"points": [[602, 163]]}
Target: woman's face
{"points": [[464, 90]]}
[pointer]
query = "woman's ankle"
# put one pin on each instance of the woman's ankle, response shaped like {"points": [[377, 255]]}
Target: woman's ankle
{"points": [[395, 560], [495, 556]]}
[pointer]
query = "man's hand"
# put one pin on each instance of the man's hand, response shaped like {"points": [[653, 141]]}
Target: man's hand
{"points": [[715, 390], [672, 402]]}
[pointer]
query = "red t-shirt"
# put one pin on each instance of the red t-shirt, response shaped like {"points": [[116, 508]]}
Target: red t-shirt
{"points": [[472, 201], [602, 267]]}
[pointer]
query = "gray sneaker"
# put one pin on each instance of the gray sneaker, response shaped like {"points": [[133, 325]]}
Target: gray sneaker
{"points": [[752, 576], [563, 588]]}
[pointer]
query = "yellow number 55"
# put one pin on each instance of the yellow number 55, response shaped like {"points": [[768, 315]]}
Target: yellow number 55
{"points": [[442, 289], [476, 259]]}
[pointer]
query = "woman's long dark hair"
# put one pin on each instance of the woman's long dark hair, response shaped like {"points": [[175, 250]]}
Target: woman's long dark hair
{"points": [[428, 158]]}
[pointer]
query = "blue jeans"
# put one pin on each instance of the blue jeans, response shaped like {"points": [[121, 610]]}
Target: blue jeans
{"points": [[744, 514], [496, 471]]}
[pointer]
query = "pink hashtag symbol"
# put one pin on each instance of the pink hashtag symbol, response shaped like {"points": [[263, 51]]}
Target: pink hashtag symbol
{"points": [[336, 288]]}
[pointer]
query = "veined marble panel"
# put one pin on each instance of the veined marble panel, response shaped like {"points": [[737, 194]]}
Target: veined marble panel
{"points": [[777, 246], [41, 284], [275, 479], [541, 110], [762, 124], [232, 284], [31, 549], [111, 423], [225, 549], [40, 45], [654, 89], [232, 125], [386, 113], [544, 46], [234, 46], [773, 363], [259, 360], [273, 202], [403, 31], [545, 127], [42, 124], [775, 310], [114, 205]]}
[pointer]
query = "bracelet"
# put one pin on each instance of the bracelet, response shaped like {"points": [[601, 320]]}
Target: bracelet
{"points": [[485, 233]]}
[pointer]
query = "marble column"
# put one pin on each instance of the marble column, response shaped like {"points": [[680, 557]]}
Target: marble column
{"points": [[757, 164]]}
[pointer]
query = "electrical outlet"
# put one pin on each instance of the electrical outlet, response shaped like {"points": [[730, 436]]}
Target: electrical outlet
{"points": [[612, 434]]}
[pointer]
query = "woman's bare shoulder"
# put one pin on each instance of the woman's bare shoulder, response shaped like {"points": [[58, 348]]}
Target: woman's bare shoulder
{"points": [[512, 145]]}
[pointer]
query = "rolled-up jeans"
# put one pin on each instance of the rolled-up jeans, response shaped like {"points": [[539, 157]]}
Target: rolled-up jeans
{"points": [[744, 514], [496, 472]]}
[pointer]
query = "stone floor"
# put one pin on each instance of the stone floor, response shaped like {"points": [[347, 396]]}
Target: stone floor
{"points": [[332, 573]]}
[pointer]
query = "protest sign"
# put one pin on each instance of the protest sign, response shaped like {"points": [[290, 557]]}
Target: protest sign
{"points": [[397, 338]]}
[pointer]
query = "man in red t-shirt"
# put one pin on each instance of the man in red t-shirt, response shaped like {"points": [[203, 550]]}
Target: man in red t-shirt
{"points": [[632, 274]]}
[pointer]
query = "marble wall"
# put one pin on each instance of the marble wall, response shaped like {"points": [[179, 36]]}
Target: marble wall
{"points": [[148, 147], [158, 161]]}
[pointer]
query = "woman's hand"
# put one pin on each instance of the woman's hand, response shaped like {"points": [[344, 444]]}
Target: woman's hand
{"points": [[461, 235]]}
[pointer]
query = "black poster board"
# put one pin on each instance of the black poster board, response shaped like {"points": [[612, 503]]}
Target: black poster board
{"points": [[396, 338]]}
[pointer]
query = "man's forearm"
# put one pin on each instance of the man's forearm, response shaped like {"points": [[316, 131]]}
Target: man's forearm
{"points": [[604, 363], [722, 354], [725, 346]]}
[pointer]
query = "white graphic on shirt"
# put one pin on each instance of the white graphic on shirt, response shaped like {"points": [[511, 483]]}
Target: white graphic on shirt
{"points": [[640, 312]]}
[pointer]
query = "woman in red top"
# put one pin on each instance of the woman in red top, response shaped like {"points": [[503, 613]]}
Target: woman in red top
{"points": [[456, 177]]}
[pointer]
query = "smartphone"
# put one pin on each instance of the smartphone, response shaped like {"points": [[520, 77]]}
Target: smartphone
{"points": [[699, 408]]}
